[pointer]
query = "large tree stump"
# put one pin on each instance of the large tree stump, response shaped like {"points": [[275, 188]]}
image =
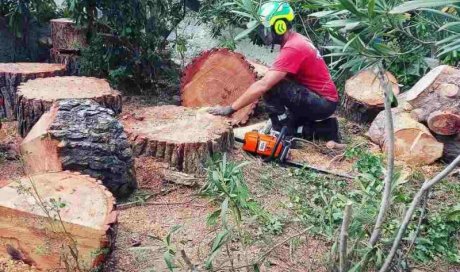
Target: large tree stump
{"points": [[12, 74], [66, 36], [30, 228], [435, 100], [183, 137], [70, 60], [414, 143], [363, 98], [36, 96], [218, 77], [81, 135]]}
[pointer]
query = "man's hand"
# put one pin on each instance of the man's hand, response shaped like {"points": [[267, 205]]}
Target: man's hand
{"points": [[221, 110]]}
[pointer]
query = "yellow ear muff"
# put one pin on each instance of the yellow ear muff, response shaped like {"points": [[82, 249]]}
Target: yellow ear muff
{"points": [[280, 27]]}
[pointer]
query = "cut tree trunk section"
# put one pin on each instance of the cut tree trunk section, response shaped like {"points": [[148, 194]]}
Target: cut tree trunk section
{"points": [[36, 96], [70, 60], [363, 98], [451, 146], [414, 143], [66, 36], [218, 77], [30, 230], [12, 74], [444, 122], [184, 138], [81, 135]]}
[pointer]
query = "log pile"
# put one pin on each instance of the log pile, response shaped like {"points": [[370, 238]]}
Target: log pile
{"points": [[218, 77], [30, 233], [13, 74], [182, 137], [81, 135], [36, 96]]}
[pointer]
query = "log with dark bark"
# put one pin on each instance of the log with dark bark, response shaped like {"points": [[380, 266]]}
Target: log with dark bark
{"points": [[12, 74], [451, 146], [435, 100], [70, 60], [87, 220], [218, 77], [81, 135], [66, 36], [36, 96], [414, 143], [185, 138], [363, 97]]}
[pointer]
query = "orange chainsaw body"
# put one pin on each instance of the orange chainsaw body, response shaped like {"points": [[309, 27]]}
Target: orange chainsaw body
{"points": [[261, 144]]}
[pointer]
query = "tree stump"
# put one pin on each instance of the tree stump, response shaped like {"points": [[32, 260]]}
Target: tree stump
{"points": [[414, 144], [182, 137], [363, 97], [70, 60], [36, 96], [66, 36], [12, 74], [435, 100], [81, 135], [451, 146], [218, 77], [30, 228]]}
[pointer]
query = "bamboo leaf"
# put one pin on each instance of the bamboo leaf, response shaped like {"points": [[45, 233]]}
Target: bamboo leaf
{"points": [[246, 32], [371, 8], [351, 7], [322, 14], [418, 4]]}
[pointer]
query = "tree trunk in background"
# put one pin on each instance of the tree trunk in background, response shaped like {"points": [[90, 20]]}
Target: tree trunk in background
{"points": [[66, 36]]}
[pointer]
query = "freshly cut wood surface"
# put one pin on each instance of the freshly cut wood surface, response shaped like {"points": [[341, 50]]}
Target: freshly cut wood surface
{"points": [[363, 98], [260, 69], [444, 122], [70, 60], [88, 218], [414, 143], [180, 136], [36, 96], [13, 74], [218, 77], [66, 36]]}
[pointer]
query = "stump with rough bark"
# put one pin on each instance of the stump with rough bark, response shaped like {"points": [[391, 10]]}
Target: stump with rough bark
{"points": [[414, 144], [13, 74], [184, 138], [451, 146], [66, 36], [435, 100], [81, 135], [44, 215], [363, 96], [36, 96], [218, 77], [70, 60]]}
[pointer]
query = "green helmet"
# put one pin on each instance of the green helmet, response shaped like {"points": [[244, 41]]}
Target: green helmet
{"points": [[273, 11]]}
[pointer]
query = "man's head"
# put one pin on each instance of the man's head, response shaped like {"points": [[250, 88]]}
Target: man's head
{"points": [[276, 17]]}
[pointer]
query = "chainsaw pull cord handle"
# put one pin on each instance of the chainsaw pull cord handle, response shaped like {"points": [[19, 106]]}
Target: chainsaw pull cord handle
{"points": [[278, 142]]}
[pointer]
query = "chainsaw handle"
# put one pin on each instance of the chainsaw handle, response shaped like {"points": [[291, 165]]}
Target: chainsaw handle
{"points": [[279, 139]]}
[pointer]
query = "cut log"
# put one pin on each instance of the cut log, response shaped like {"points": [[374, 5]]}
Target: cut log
{"points": [[81, 135], [31, 230], [70, 60], [218, 77], [184, 138], [414, 144], [363, 98], [451, 146], [66, 36], [435, 100], [36, 96], [260, 69], [12, 74]]}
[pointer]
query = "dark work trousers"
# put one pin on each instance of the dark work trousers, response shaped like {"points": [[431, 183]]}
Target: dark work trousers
{"points": [[291, 104]]}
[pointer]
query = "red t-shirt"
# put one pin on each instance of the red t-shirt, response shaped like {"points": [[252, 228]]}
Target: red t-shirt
{"points": [[303, 62]]}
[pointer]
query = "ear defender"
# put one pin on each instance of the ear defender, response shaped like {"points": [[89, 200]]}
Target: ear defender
{"points": [[280, 27]]}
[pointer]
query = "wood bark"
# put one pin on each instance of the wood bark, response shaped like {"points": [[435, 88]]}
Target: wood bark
{"points": [[70, 60], [182, 137], [30, 227], [66, 36], [13, 74], [81, 135], [435, 100], [218, 77], [451, 146], [414, 143], [36, 97], [363, 97]]}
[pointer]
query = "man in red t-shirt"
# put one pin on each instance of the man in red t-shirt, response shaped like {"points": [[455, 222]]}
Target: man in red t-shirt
{"points": [[298, 90]]}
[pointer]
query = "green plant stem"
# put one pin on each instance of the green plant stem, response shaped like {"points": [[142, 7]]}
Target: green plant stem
{"points": [[347, 214]]}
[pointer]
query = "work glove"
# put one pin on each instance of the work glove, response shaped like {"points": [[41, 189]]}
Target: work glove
{"points": [[221, 110]]}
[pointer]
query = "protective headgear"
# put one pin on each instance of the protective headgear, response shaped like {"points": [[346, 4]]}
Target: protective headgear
{"points": [[276, 17]]}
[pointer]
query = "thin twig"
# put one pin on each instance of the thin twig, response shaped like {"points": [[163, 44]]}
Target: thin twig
{"points": [[189, 263], [420, 221], [344, 237]]}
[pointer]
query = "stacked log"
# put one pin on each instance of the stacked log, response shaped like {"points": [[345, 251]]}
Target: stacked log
{"points": [[36, 96], [81, 135], [46, 216], [182, 137], [13, 74]]}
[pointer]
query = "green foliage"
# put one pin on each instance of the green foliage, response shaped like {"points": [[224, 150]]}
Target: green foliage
{"points": [[170, 252]]}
